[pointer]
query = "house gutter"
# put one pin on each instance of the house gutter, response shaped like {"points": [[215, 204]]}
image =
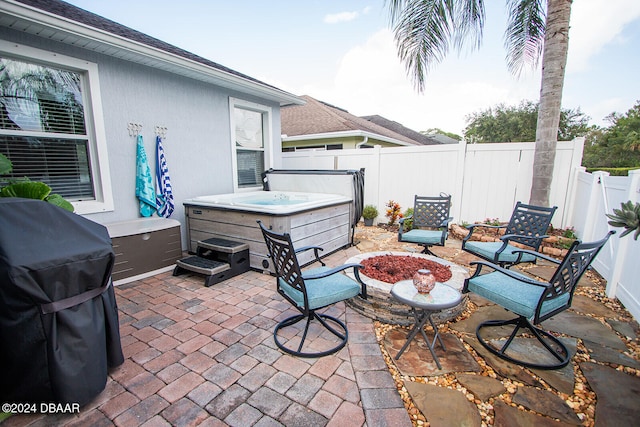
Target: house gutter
{"points": [[146, 55], [345, 134], [363, 142]]}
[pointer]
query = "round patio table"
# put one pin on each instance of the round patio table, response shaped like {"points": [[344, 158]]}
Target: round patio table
{"points": [[423, 306]]}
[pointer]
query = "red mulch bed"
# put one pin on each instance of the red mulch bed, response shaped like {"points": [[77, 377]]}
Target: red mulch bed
{"points": [[394, 268]]}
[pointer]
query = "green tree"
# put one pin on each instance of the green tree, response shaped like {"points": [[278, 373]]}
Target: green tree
{"points": [[425, 30], [438, 131], [504, 123], [617, 146]]}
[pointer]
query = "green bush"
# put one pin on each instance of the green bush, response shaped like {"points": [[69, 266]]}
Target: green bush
{"points": [[613, 171], [408, 222], [369, 212]]}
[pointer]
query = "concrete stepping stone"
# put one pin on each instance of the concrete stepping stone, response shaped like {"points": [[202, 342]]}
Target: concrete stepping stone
{"points": [[478, 300], [530, 350], [617, 395], [544, 272], [465, 259], [586, 305], [442, 406], [585, 328], [608, 355], [469, 325], [624, 328], [545, 402], [500, 366], [563, 380], [446, 252], [508, 416], [417, 360], [482, 387]]}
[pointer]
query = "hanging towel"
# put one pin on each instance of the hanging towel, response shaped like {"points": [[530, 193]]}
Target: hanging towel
{"points": [[144, 181], [164, 197]]}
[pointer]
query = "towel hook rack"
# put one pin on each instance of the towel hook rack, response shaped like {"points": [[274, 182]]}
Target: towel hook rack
{"points": [[161, 131], [135, 129]]}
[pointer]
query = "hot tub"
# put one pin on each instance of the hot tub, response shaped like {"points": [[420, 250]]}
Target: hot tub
{"points": [[273, 202], [317, 219]]}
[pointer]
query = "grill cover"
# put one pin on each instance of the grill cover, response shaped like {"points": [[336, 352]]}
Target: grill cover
{"points": [[58, 315]]}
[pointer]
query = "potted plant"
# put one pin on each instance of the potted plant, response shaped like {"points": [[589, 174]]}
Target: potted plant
{"points": [[369, 213]]}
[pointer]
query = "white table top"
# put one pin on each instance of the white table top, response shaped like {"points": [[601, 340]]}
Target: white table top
{"points": [[440, 297]]}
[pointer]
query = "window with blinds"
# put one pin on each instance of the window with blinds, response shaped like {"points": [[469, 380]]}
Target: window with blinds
{"points": [[249, 146], [42, 127]]}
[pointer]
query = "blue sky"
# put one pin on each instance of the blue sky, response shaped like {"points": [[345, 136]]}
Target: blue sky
{"points": [[342, 52]]}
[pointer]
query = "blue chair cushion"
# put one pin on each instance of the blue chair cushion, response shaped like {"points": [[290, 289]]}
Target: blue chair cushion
{"points": [[323, 292], [488, 250], [517, 297], [423, 237]]}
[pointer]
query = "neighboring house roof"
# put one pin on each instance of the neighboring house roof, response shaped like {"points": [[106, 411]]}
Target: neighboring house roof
{"points": [[317, 119], [402, 130], [443, 139], [63, 22]]}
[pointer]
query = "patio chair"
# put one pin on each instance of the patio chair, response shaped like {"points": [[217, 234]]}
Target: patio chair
{"points": [[528, 226], [532, 300], [430, 222], [310, 291]]}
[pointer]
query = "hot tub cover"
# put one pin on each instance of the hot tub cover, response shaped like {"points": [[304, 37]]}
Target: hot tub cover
{"points": [[58, 315]]}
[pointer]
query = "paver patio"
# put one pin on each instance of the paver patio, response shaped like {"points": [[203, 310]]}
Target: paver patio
{"points": [[206, 356]]}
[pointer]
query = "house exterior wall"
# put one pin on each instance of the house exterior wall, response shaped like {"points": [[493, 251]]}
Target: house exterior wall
{"points": [[196, 115]]}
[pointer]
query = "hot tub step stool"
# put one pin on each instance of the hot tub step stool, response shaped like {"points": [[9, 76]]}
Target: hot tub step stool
{"points": [[217, 259]]}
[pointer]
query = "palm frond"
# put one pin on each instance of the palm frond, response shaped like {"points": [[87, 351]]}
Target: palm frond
{"points": [[470, 18], [425, 30], [524, 36]]}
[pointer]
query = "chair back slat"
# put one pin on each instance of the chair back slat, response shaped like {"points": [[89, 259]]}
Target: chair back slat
{"points": [[285, 262], [530, 221], [431, 212]]}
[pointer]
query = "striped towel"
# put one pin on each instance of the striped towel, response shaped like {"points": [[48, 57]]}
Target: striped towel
{"points": [[164, 198], [145, 192]]}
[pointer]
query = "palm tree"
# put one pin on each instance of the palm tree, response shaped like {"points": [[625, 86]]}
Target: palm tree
{"points": [[425, 30]]}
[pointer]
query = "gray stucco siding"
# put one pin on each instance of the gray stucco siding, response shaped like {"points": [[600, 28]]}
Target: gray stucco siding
{"points": [[196, 115]]}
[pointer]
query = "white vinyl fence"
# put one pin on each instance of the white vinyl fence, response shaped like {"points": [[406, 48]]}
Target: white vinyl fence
{"points": [[486, 181], [619, 261]]}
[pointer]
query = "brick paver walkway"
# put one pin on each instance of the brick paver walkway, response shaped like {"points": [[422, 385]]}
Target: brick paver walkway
{"points": [[206, 356]]}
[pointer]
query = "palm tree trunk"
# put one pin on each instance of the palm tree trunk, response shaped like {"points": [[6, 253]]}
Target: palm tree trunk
{"points": [[554, 61]]}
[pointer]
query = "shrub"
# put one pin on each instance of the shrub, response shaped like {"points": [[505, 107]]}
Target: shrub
{"points": [[369, 212], [393, 212], [408, 222]]}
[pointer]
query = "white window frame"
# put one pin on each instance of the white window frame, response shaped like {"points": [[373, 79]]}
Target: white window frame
{"points": [[267, 126], [98, 155]]}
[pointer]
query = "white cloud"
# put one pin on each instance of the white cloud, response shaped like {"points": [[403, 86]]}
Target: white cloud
{"points": [[335, 18], [371, 80], [594, 24]]}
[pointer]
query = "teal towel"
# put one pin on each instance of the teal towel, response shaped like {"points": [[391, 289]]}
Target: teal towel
{"points": [[145, 191]]}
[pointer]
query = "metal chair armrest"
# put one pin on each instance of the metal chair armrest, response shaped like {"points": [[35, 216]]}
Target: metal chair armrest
{"points": [[316, 252], [539, 255], [401, 226], [471, 228], [513, 274], [511, 236]]}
